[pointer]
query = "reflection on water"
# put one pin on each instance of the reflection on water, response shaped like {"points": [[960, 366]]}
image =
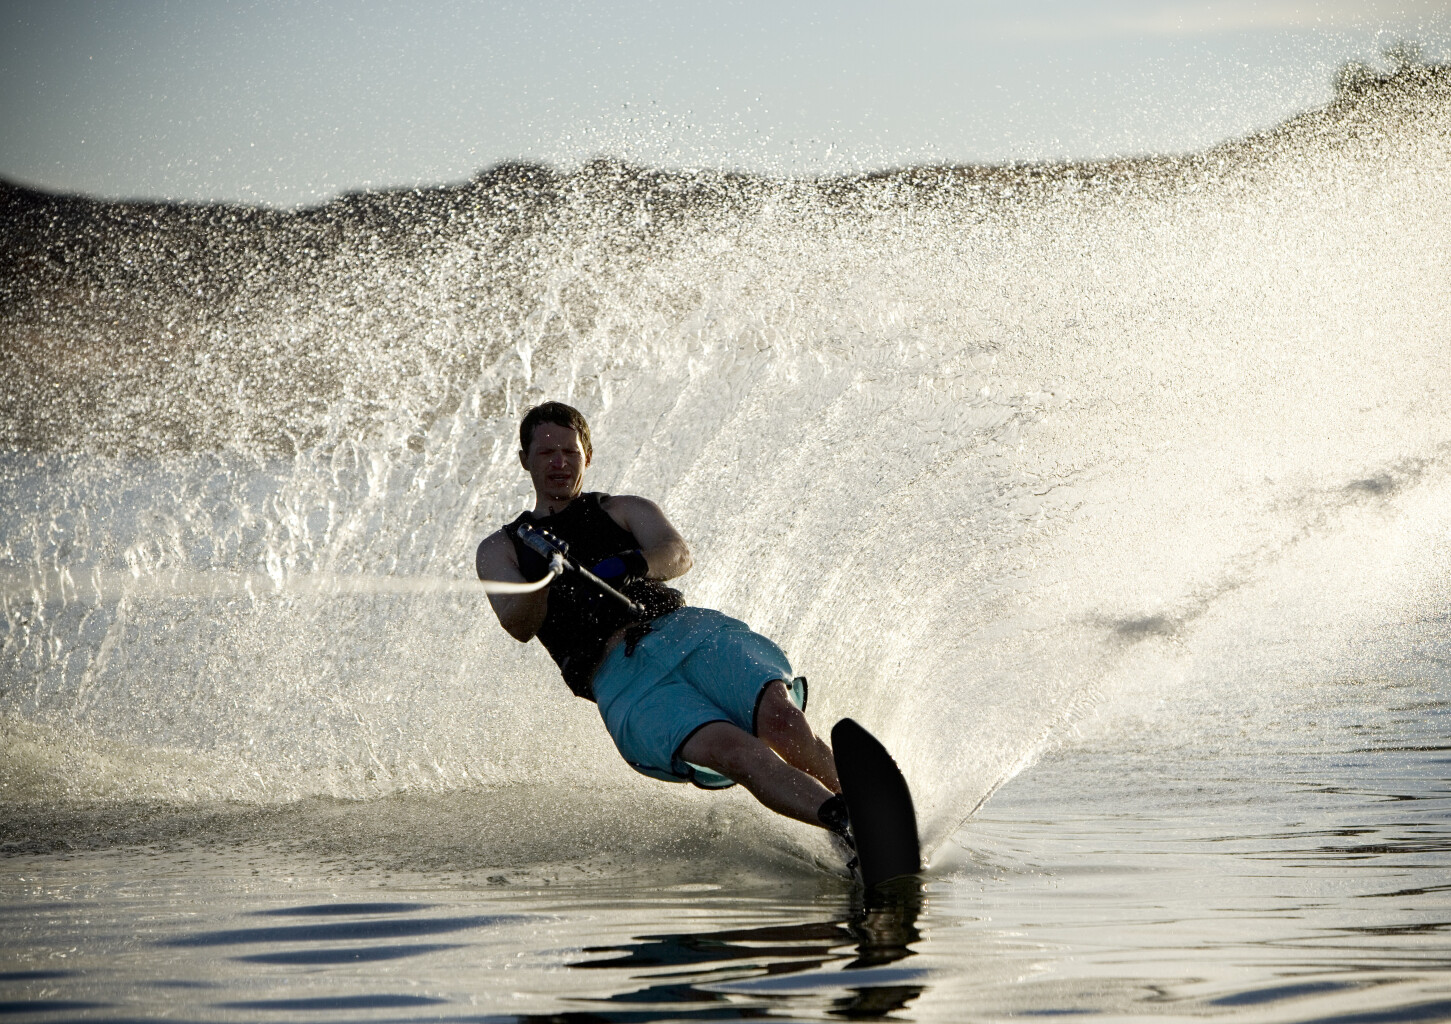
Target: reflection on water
{"points": [[369, 931], [364, 930], [313, 961], [690, 975]]}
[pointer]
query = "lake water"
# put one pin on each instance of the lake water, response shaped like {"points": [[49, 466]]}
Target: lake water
{"points": [[1115, 498], [1274, 877]]}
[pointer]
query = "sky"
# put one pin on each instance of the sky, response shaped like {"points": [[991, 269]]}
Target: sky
{"points": [[288, 104]]}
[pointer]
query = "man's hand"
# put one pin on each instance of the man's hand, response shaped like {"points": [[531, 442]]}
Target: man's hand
{"points": [[626, 565], [662, 547], [543, 543]]}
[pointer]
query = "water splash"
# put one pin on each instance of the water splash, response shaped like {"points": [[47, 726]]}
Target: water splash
{"points": [[966, 442]]}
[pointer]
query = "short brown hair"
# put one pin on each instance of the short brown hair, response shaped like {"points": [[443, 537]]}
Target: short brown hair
{"points": [[560, 415]]}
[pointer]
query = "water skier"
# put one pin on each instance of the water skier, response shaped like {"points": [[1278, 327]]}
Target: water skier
{"points": [[687, 694]]}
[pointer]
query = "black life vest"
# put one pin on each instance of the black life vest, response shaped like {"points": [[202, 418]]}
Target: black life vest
{"points": [[579, 620]]}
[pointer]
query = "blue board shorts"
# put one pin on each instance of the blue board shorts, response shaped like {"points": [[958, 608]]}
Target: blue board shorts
{"points": [[696, 666]]}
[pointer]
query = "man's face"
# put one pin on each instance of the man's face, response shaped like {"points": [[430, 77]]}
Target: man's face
{"points": [[556, 462]]}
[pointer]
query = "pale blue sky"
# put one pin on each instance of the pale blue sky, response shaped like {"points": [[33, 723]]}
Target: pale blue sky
{"points": [[289, 103]]}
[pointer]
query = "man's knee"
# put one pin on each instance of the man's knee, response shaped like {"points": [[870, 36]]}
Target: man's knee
{"points": [[722, 747]]}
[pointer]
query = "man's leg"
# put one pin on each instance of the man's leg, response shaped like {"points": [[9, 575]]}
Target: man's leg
{"points": [[741, 757], [783, 728]]}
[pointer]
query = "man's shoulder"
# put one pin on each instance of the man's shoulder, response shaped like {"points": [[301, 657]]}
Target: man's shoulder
{"points": [[622, 508], [495, 552], [498, 541], [638, 516], [623, 501]]}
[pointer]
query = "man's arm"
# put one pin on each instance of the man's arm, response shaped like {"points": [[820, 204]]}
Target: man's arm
{"points": [[665, 551], [520, 614]]}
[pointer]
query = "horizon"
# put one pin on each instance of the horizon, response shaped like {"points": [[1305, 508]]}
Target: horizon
{"points": [[288, 107]]}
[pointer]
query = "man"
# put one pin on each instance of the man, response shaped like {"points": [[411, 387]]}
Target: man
{"points": [[687, 694]]}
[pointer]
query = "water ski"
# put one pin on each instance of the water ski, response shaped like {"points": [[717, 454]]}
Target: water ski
{"points": [[883, 821]]}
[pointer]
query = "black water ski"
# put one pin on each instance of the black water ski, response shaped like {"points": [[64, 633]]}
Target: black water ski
{"points": [[883, 821]]}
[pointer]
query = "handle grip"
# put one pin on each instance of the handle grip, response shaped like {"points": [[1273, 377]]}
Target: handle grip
{"points": [[535, 541]]}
